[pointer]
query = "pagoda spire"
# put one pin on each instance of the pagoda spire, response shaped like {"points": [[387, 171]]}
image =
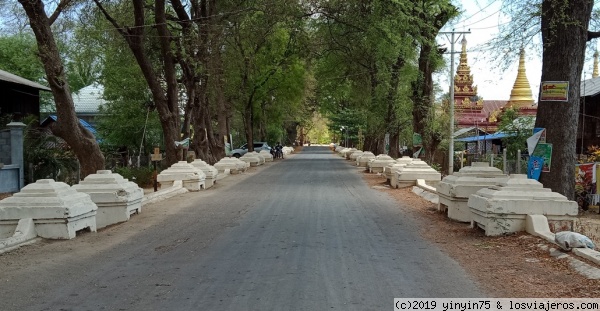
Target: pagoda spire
{"points": [[595, 72], [464, 90], [520, 96]]}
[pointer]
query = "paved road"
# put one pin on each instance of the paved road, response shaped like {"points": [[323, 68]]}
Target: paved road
{"points": [[305, 233]]}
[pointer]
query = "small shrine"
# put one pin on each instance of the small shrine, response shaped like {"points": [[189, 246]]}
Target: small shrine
{"points": [[58, 211], [377, 164], [116, 197]]}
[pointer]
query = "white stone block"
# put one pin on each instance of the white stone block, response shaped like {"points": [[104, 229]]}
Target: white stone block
{"points": [[210, 172], [234, 165], [503, 209], [454, 190], [364, 159], [267, 155], [251, 159], [57, 210], [355, 155], [116, 197], [417, 169], [193, 178], [287, 150], [23, 233], [391, 168], [377, 164], [538, 225]]}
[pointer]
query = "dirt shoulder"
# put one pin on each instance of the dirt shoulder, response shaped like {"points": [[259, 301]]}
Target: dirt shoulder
{"points": [[507, 266]]}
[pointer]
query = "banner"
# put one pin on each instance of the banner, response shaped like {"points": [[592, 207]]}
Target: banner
{"points": [[227, 145], [534, 167], [544, 151], [416, 154], [184, 143], [585, 176], [533, 140]]}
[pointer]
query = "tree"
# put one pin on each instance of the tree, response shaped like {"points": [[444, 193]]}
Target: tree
{"points": [[433, 15], [82, 142], [161, 80], [564, 26], [18, 55]]}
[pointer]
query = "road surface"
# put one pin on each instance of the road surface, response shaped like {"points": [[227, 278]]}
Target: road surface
{"points": [[304, 233]]}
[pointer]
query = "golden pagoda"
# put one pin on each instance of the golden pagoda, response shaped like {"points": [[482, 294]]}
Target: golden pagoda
{"points": [[520, 96], [485, 114], [464, 91], [595, 72]]}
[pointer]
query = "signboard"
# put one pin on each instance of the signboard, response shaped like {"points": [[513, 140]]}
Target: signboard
{"points": [[554, 91], [544, 151], [156, 156], [417, 140], [534, 167]]}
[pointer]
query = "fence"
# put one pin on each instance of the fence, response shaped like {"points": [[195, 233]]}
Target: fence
{"points": [[501, 161], [12, 177]]}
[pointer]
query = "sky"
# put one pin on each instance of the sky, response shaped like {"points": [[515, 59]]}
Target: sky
{"points": [[482, 18]]}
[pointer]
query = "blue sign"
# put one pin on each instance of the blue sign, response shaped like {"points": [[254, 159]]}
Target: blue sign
{"points": [[534, 167]]}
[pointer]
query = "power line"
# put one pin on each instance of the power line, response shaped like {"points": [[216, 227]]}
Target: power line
{"points": [[483, 18], [480, 10]]}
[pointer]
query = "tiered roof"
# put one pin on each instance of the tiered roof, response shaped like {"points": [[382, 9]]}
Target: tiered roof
{"points": [[471, 110]]}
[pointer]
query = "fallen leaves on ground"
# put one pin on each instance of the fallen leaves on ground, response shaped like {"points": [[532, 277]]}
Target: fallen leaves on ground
{"points": [[505, 266]]}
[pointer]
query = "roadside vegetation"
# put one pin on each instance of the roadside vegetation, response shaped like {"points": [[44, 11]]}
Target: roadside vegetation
{"points": [[232, 72]]}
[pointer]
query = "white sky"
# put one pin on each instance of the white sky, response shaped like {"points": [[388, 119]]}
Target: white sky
{"points": [[492, 83]]}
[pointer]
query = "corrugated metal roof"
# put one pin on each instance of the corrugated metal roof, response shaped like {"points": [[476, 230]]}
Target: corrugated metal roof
{"points": [[89, 99], [88, 126], [462, 131], [496, 135], [590, 87], [9, 77]]}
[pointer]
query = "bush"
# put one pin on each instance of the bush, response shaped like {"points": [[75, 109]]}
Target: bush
{"points": [[142, 176]]}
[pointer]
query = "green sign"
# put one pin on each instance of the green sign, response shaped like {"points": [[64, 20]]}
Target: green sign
{"points": [[417, 140], [544, 150]]}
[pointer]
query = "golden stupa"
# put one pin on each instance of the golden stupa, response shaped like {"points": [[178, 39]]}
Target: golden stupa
{"points": [[520, 96]]}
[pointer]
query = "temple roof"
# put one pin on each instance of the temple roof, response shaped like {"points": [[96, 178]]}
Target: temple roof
{"points": [[12, 78]]}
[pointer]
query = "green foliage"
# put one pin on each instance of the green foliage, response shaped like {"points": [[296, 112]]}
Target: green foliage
{"points": [[18, 55], [47, 156], [142, 176], [265, 68], [519, 128]]}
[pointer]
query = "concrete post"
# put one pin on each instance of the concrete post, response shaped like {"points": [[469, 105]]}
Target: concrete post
{"points": [[16, 149]]}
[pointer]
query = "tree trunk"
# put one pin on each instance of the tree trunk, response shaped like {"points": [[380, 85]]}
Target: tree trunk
{"points": [[67, 127], [391, 118], [564, 35], [165, 99]]}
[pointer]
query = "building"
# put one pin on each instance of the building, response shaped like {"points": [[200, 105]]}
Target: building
{"points": [[472, 111], [588, 129], [19, 96], [87, 102]]}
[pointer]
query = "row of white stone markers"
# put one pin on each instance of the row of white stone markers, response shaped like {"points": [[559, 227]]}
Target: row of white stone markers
{"points": [[479, 194], [482, 196], [55, 210]]}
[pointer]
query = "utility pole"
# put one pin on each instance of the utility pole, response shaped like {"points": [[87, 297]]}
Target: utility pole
{"points": [[453, 40]]}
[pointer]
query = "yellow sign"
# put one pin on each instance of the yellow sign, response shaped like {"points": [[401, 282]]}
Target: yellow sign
{"points": [[554, 91], [156, 150]]}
